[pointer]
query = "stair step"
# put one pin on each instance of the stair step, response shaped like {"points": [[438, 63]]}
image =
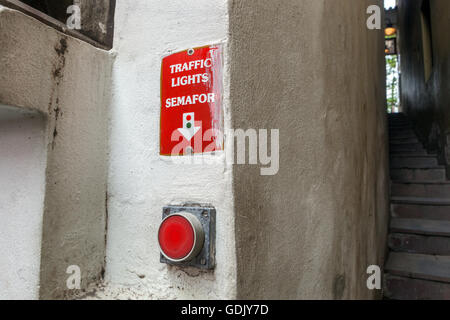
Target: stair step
{"points": [[406, 147], [412, 155], [404, 140], [398, 129], [400, 126], [399, 122], [421, 226], [421, 189], [413, 161], [402, 134], [420, 211], [398, 119], [413, 243], [412, 174], [401, 288], [409, 153], [419, 266], [401, 142], [396, 115], [421, 201]]}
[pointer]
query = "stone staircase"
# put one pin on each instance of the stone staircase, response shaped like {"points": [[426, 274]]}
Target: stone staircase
{"points": [[418, 265]]}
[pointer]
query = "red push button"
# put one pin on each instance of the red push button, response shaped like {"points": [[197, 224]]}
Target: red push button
{"points": [[176, 237], [180, 237]]}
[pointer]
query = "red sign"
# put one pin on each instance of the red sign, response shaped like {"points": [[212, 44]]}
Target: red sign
{"points": [[191, 102]]}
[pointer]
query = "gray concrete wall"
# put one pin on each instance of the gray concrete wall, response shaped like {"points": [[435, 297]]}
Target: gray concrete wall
{"points": [[67, 81], [427, 103], [313, 70]]}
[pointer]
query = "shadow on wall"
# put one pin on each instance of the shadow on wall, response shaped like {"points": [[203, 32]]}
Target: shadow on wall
{"points": [[425, 65]]}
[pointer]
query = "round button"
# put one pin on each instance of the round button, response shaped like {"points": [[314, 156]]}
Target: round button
{"points": [[180, 237]]}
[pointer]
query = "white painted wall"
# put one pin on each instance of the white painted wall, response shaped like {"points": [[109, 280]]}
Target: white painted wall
{"points": [[22, 187], [140, 181]]}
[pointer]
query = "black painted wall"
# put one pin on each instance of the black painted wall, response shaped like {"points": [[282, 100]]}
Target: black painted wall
{"points": [[54, 8], [97, 16], [427, 102]]}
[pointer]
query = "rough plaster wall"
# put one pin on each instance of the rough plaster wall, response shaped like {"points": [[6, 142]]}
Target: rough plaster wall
{"points": [[22, 184], [313, 70], [68, 81], [140, 181], [427, 103]]}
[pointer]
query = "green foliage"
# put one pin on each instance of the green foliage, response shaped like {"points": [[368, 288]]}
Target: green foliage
{"points": [[392, 82]]}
